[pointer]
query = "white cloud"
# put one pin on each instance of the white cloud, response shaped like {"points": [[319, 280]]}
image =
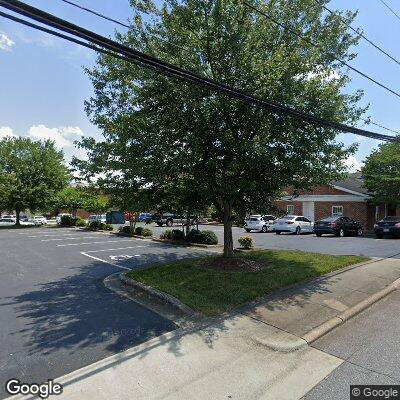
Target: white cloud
{"points": [[63, 136], [5, 42], [6, 131], [352, 164]]}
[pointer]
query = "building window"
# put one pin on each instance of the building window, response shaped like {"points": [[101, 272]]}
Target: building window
{"points": [[337, 211], [290, 209]]}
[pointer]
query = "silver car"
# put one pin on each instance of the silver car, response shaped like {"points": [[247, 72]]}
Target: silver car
{"points": [[294, 224]]}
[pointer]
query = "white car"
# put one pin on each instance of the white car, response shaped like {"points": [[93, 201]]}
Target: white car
{"points": [[101, 218], [9, 216], [7, 221], [39, 220], [260, 223], [59, 216], [293, 223]]}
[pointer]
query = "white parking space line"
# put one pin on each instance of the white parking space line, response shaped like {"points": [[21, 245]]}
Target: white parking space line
{"points": [[86, 243], [118, 248], [70, 238], [104, 261], [83, 234]]}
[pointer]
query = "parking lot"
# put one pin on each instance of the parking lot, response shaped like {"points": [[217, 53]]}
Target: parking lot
{"points": [[55, 313], [365, 246]]}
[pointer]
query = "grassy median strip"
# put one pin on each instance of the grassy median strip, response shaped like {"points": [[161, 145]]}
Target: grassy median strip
{"points": [[212, 292]]}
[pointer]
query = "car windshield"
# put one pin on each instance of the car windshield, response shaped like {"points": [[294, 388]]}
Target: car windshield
{"points": [[392, 218], [288, 217], [254, 219]]}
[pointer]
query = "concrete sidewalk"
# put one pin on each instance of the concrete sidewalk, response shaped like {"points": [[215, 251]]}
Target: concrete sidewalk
{"points": [[233, 357], [220, 361], [311, 309]]}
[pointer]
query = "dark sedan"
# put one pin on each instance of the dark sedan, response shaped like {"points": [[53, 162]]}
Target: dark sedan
{"points": [[387, 226], [339, 226]]}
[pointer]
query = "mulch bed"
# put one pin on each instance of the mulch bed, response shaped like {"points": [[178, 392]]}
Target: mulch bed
{"points": [[235, 264]]}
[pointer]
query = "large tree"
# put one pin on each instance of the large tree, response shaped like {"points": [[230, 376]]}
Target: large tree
{"points": [[381, 174], [31, 172], [161, 134]]}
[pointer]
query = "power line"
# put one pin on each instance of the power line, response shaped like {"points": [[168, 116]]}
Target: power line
{"points": [[91, 11], [391, 9], [96, 13], [310, 42], [118, 50], [358, 32]]}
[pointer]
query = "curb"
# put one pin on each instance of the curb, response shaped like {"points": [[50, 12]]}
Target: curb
{"points": [[173, 301], [180, 243], [321, 330]]}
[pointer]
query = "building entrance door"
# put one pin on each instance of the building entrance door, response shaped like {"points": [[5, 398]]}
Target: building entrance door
{"points": [[308, 210]]}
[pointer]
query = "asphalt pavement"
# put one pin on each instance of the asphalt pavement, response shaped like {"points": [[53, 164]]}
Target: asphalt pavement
{"points": [[370, 347], [55, 314], [364, 246]]}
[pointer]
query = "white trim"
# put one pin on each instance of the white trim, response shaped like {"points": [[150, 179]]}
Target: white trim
{"points": [[351, 191], [327, 197], [287, 209]]}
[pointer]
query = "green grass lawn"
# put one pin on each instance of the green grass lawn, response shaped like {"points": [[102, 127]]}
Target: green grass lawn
{"points": [[211, 292]]}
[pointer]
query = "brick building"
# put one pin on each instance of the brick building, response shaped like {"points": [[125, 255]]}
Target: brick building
{"points": [[347, 197]]}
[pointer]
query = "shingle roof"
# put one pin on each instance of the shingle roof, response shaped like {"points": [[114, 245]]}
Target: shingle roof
{"points": [[354, 182]]}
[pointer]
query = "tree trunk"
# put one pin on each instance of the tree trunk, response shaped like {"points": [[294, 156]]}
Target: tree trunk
{"points": [[17, 212], [187, 224], [228, 239]]}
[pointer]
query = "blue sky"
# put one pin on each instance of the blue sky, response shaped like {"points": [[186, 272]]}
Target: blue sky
{"points": [[43, 86]]}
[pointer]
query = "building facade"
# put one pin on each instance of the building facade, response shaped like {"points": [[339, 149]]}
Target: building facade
{"points": [[348, 198]]}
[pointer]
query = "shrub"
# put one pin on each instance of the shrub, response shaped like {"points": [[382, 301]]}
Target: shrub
{"points": [[107, 227], [80, 222], [246, 242], [202, 237], [66, 220], [125, 229], [177, 234], [143, 231], [166, 235], [94, 225]]}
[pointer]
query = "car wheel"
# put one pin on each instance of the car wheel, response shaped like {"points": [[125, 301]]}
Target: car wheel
{"points": [[298, 231], [168, 223], [248, 230], [278, 232], [264, 229], [378, 236], [318, 234], [360, 232]]}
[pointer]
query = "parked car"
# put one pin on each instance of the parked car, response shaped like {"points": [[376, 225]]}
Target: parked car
{"points": [[169, 219], [59, 216], [145, 217], [387, 226], [339, 226], [39, 220], [101, 218], [260, 223], [293, 223], [7, 221], [9, 216]]}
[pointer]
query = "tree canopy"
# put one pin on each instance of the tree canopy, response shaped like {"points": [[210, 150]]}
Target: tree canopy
{"points": [[31, 172], [179, 139], [381, 173]]}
